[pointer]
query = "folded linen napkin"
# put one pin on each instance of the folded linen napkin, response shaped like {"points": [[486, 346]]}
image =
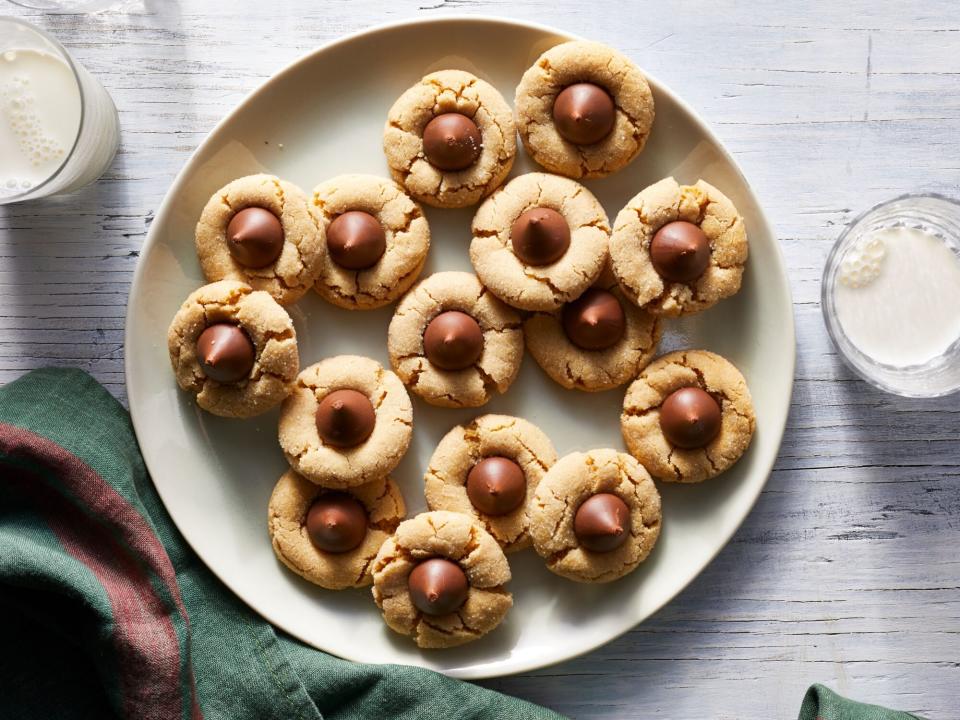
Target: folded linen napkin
{"points": [[108, 613]]}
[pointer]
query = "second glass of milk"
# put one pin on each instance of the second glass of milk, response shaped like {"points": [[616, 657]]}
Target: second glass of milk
{"points": [[891, 295], [59, 128]]}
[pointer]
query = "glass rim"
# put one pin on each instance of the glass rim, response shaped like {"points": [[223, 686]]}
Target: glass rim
{"points": [[26, 194], [852, 356]]}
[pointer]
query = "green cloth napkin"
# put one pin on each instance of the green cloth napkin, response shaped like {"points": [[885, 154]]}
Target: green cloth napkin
{"points": [[821, 703], [108, 613]]}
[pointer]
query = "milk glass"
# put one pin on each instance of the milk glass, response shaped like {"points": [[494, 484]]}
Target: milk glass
{"points": [[59, 128]]}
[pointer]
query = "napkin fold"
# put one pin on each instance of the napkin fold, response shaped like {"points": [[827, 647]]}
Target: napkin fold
{"points": [[108, 613], [821, 703]]}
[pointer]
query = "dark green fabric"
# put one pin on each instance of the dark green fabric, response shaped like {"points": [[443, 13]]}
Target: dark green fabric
{"points": [[55, 654], [821, 703]]}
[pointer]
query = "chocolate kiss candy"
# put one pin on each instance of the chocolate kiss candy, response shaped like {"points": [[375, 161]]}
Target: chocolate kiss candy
{"points": [[595, 320], [336, 522], [356, 240], [540, 236], [255, 237], [452, 141], [602, 522], [438, 586], [496, 486], [345, 418], [680, 252], [453, 341], [225, 353], [690, 417], [584, 113]]}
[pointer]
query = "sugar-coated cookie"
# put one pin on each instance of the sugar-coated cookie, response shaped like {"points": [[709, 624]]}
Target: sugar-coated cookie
{"points": [[261, 230], [234, 348], [489, 468], [596, 516], [348, 422], [331, 537], [450, 139], [453, 343], [539, 241], [678, 249], [596, 342], [583, 109], [688, 417], [440, 579], [377, 241]]}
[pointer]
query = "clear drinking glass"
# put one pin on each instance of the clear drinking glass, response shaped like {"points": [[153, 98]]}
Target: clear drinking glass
{"points": [[44, 94], [937, 216]]}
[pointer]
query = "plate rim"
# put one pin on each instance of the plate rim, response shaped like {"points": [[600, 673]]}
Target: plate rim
{"points": [[164, 209]]}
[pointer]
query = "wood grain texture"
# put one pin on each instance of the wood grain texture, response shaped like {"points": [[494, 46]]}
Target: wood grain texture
{"points": [[847, 571]]}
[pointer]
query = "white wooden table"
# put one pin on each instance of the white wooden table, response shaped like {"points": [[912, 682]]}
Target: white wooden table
{"points": [[847, 571]]}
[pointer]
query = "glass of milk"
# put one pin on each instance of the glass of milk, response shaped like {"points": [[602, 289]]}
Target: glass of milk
{"points": [[891, 295], [58, 127]]}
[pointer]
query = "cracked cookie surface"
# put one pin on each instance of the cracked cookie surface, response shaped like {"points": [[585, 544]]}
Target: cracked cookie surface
{"points": [[573, 479], [652, 208], [489, 436], [581, 61], [265, 323], [286, 518], [343, 467], [640, 421], [407, 241], [449, 91], [497, 366], [576, 368], [459, 538], [304, 248], [544, 287]]}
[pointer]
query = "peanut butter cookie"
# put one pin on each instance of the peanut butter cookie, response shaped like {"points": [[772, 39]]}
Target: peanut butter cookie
{"points": [[688, 416], [261, 230], [331, 537], [490, 468], [678, 249], [348, 422], [584, 110], [377, 241], [450, 139], [234, 348], [596, 342], [595, 516], [539, 241], [440, 579], [453, 343]]}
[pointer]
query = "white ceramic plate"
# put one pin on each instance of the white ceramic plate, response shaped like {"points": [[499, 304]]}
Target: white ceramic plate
{"points": [[323, 116]]}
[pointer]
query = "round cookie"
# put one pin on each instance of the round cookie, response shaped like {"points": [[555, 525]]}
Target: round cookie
{"points": [[572, 94], [641, 419], [496, 357], [289, 508], [484, 165], [236, 240], [616, 339], [635, 234], [461, 540], [557, 516], [356, 457], [389, 217], [458, 457], [257, 349], [506, 231]]}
